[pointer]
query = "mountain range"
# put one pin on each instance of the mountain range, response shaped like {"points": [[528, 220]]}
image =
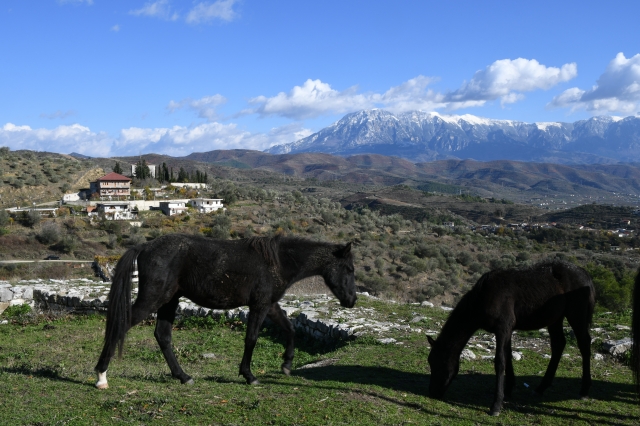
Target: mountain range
{"points": [[427, 136]]}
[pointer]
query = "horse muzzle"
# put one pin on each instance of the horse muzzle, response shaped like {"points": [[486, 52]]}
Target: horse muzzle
{"points": [[349, 303]]}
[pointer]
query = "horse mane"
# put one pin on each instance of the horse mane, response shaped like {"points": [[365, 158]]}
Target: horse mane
{"points": [[267, 247]]}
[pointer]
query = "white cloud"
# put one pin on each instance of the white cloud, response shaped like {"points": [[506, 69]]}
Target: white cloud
{"points": [[175, 141], [65, 139], [312, 99], [159, 9], [58, 114], [115, 28], [506, 79], [205, 107], [617, 89], [206, 12]]}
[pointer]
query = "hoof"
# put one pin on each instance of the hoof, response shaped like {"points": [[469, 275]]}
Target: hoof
{"points": [[494, 413], [189, 382], [584, 397], [102, 380], [254, 382], [286, 371]]}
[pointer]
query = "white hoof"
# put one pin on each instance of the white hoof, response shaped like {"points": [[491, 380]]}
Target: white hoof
{"points": [[102, 380]]}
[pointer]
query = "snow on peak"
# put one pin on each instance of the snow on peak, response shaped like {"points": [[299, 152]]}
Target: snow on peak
{"points": [[543, 125]]}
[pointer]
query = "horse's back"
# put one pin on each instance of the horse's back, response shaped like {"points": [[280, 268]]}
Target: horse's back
{"points": [[213, 273], [533, 297]]}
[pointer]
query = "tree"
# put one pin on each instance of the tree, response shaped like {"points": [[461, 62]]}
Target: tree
{"points": [[142, 170], [183, 176], [117, 168]]}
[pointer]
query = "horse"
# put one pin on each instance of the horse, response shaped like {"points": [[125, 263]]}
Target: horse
{"points": [[517, 299], [218, 274]]}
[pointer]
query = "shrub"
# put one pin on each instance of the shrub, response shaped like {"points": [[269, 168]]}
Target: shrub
{"points": [[610, 293], [49, 234], [464, 258], [33, 218]]}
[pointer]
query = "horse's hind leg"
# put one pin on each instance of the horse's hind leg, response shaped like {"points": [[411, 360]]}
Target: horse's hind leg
{"points": [[581, 329], [164, 324], [139, 311], [558, 342], [277, 315]]}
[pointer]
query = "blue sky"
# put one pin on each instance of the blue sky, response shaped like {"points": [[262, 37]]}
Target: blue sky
{"points": [[108, 78]]}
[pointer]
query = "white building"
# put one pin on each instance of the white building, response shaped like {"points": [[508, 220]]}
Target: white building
{"points": [[152, 169], [173, 207], [207, 205], [66, 198], [192, 185], [115, 210]]}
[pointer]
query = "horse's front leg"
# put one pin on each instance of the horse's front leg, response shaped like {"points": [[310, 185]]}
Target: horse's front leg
{"points": [[278, 316], [256, 317], [502, 337]]}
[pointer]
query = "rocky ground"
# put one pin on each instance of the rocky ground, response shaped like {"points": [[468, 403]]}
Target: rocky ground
{"points": [[322, 317]]}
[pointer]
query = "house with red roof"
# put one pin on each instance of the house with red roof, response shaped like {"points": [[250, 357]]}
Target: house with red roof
{"points": [[112, 185]]}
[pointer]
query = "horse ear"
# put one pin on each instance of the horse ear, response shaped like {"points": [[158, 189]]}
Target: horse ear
{"points": [[343, 252], [431, 341]]}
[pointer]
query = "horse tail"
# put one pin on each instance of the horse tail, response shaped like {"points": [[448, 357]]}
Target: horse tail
{"points": [[119, 308], [635, 333]]}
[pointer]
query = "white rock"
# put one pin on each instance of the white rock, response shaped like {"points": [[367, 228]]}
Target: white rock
{"points": [[467, 355], [516, 356], [387, 340]]}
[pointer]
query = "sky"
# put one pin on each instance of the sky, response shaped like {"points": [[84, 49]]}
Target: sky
{"points": [[110, 78]]}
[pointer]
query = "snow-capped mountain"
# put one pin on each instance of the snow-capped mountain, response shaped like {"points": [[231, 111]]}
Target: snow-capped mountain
{"points": [[423, 136]]}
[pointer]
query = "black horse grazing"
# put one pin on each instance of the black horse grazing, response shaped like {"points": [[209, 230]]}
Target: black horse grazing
{"points": [[219, 274], [517, 299]]}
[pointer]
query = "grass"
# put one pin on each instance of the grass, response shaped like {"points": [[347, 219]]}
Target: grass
{"points": [[46, 378]]}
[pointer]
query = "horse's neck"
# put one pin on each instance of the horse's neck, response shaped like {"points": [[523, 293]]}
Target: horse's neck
{"points": [[302, 261], [458, 329]]}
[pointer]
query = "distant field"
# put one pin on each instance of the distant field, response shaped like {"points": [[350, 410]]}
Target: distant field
{"points": [[46, 378]]}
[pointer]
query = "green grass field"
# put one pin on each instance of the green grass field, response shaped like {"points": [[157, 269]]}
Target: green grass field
{"points": [[46, 378]]}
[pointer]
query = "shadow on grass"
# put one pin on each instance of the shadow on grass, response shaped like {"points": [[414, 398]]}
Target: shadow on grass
{"points": [[475, 391], [45, 373]]}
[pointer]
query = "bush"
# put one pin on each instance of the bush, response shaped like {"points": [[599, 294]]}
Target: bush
{"points": [[33, 218], [464, 258], [610, 293], [49, 234], [4, 217]]}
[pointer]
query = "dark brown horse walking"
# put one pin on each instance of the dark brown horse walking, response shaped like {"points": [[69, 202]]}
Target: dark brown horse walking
{"points": [[517, 299], [219, 274]]}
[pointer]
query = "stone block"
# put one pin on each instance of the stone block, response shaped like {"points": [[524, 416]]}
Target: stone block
{"points": [[5, 294], [467, 354], [618, 347]]}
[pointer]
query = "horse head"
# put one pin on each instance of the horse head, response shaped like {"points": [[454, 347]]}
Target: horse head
{"points": [[339, 277], [444, 368]]}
